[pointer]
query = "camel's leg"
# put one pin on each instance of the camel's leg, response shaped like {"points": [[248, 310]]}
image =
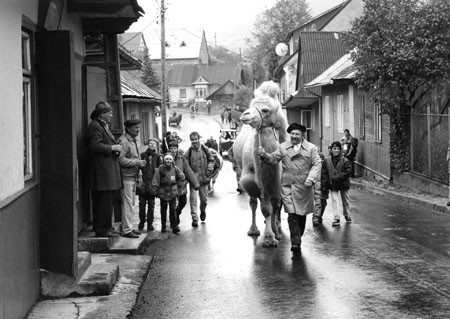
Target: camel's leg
{"points": [[276, 218], [269, 235], [254, 231]]}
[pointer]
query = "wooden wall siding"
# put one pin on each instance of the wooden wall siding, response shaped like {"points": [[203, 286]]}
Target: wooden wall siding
{"points": [[19, 255]]}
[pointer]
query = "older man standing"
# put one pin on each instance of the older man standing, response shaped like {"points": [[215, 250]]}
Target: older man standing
{"points": [[130, 164], [301, 169], [104, 169]]}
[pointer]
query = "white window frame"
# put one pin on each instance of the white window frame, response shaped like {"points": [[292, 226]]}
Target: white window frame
{"points": [[377, 125], [340, 113], [326, 111], [304, 115], [27, 106], [182, 93]]}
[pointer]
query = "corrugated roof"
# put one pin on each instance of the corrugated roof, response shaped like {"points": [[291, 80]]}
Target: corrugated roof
{"points": [[215, 74], [133, 87], [332, 72], [318, 51]]}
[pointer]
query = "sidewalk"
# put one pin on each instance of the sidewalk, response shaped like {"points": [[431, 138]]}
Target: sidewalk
{"points": [[134, 268]]}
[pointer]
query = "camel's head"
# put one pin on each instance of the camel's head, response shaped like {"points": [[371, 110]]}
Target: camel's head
{"points": [[265, 108]]}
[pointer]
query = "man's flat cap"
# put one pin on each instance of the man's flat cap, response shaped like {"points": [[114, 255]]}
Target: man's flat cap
{"points": [[128, 123]]}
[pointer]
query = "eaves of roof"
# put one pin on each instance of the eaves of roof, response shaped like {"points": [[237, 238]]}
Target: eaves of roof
{"points": [[342, 68], [132, 87]]}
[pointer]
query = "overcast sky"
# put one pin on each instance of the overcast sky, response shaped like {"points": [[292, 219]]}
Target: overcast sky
{"points": [[226, 22]]}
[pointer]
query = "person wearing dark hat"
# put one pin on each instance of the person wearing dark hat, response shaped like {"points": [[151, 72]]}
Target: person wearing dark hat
{"points": [[167, 180], [104, 169], [182, 163], [336, 171], [152, 161], [301, 169], [130, 165]]}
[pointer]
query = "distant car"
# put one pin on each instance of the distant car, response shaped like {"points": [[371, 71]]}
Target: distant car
{"points": [[226, 140]]}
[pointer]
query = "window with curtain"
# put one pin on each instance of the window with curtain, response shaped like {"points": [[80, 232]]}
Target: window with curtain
{"points": [[27, 104]]}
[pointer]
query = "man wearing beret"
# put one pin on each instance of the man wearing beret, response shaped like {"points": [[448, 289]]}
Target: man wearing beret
{"points": [[301, 169], [130, 164], [104, 170]]}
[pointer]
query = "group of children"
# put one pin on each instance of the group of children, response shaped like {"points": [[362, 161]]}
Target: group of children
{"points": [[167, 177]]}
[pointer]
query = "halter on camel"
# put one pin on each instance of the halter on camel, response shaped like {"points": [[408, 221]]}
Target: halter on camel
{"points": [[259, 130]]}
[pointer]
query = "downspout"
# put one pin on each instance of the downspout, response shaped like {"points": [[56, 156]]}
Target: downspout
{"points": [[320, 118]]}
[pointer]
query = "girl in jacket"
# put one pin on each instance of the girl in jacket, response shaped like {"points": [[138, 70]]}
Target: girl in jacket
{"points": [[167, 180], [336, 171], [153, 161]]}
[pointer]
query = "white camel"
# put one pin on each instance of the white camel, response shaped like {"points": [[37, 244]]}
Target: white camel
{"points": [[264, 125]]}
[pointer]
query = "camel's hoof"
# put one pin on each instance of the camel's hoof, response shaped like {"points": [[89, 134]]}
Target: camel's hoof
{"points": [[270, 242], [278, 236], [254, 232]]}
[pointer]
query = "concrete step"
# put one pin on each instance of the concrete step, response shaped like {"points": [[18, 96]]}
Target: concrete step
{"points": [[93, 279], [133, 246]]}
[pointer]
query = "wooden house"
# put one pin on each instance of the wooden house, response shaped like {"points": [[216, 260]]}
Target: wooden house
{"points": [[50, 85]]}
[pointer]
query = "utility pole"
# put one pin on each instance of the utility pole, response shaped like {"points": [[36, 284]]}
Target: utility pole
{"points": [[163, 71]]}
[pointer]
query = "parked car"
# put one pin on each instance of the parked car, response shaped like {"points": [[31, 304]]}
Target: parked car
{"points": [[175, 119], [226, 140]]}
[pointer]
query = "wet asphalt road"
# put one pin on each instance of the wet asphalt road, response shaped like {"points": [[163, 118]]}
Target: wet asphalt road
{"points": [[391, 262]]}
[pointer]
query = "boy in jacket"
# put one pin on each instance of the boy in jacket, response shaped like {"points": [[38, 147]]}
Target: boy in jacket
{"points": [[336, 171], [181, 162], [167, 180]]}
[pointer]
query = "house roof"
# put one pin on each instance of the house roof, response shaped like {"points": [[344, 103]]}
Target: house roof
{"points": [[133, 87], [183, 75], [181, 44], [317, 52], [319, 21], [342, 69], [221, 89]]}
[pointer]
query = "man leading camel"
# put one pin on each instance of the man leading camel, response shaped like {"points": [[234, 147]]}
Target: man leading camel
{"points": [[301, 169]]}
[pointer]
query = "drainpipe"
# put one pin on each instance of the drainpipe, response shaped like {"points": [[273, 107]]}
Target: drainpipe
{"points": [[320, 117]]}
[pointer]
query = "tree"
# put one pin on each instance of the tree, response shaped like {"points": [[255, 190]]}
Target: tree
{"points": [[271, 28], [401, 52], [243, 96], [149, 76]]}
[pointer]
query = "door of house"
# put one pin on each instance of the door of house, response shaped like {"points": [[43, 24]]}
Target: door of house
{"points": [[58, 169]]}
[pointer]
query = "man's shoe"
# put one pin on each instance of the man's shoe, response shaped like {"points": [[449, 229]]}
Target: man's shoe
{"points": [[239, 190], [141, 225], [202, 216], [136, 232], [163, 229], [336, 222], [176, 229], [448, 204], [130, 235], [348, 218], [296, 248], [107, 234], [150, 227], [194, 223]]}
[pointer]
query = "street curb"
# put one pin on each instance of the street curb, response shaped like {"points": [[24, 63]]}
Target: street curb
{"points": [[406, 198]]}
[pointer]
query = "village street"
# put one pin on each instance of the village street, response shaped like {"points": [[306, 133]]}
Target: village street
{"points": [[393, 261]]}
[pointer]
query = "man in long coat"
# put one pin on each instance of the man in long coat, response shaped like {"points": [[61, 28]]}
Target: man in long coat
{"points": [[105, 178], [301, 169]]}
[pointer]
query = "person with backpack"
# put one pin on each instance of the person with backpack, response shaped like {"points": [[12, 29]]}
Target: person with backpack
{"points": [[201, 162], [336, 170], [167, 180], [349, 148]]}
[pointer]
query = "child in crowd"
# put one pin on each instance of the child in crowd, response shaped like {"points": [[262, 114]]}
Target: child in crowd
{"points": [[336, 171], [153, 161], [167, 180]]}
